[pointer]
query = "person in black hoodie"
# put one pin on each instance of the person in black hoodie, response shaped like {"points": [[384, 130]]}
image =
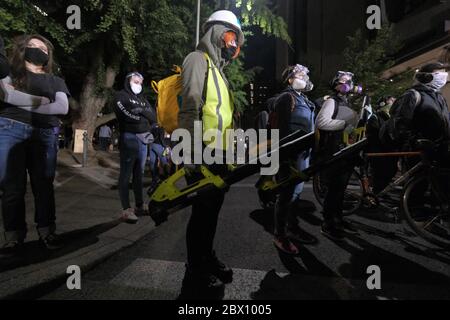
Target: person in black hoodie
{"points": [[136, 118]]}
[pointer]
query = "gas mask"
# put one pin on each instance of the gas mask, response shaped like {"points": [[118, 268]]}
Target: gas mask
{"points": [[343, 84], [301, 81], [231, 50]]}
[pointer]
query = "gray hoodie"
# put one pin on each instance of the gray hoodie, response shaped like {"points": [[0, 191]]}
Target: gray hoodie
{"points": [[194, 74]]}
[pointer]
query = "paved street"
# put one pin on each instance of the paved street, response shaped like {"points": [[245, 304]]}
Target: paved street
{"points": [[153, 267]]}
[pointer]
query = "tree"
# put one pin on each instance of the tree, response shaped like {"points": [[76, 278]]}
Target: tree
{"points": [[368, 59], [118, 36]]}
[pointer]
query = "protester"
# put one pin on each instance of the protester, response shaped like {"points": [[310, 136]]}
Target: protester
{"points": [[203, 73], [29, 139], [383, 168], [294, 112], [335, 117], [136, 117], [104, 137]]}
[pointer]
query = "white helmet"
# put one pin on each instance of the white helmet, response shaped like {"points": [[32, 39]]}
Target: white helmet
{"points": [[229, 19]]}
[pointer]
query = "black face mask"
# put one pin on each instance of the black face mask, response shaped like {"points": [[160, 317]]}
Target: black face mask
{"points": [[36, 56], [228, 53]]}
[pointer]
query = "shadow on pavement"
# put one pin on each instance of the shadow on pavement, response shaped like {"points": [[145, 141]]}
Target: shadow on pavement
{"points": [[33, 252], [394, 269]]}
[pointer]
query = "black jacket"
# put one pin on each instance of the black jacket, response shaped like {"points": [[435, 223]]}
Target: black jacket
{"points": [[428, 120], [134, 112], [4, 65]]}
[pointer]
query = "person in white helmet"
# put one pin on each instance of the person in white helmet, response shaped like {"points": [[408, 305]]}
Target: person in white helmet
{"points": [[206, 97]]}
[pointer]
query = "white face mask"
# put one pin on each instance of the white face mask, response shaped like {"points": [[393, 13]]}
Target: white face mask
{"points": [[439, 80], [298, 84], [136, 88]]}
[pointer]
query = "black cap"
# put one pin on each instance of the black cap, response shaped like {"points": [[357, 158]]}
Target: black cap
{"points": [[431, 67]]}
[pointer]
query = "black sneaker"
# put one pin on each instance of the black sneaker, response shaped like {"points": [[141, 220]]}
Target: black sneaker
{"points": [[332, 232], [51, 242], [11, 248], [201, 281], [346, 227], [219, 269]]}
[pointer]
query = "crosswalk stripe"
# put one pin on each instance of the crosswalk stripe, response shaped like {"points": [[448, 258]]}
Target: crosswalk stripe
{"points": [[168, 276]]}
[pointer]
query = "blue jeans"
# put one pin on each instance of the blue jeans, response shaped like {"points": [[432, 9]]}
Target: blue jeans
{"points": [[156, 153], [133, 154], [302, 164], [22, 148]]}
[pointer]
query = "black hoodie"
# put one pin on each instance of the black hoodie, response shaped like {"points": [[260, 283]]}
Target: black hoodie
{"points": [[134, 112], [4, 66]]}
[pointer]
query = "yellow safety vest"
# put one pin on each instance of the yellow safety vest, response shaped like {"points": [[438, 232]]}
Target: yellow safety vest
{"points": [[217, 112]]}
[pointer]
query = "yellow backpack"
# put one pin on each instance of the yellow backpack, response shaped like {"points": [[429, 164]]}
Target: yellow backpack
{"points": [[169, 100]]}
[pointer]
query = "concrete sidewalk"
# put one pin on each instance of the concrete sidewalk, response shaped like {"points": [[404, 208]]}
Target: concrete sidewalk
{"points": [[88, 207]]}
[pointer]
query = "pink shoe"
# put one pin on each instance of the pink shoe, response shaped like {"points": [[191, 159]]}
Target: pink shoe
{"points": [[285, 245]]}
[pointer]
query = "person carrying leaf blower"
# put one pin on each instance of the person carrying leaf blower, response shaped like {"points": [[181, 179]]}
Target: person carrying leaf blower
{"points": [[206, 97]]}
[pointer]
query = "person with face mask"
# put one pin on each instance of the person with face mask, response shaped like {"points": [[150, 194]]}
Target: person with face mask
{"points": [[383, 168], [335, 117], [422, 112], [136, 119], [29, 140], [294, 112], [207, 97]]}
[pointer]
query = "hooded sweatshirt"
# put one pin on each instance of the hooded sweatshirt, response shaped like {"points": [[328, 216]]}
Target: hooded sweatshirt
{"points": [[134, 112], [194, 74]]}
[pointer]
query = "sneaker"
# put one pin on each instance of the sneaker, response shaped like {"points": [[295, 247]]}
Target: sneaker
{"points": [[219, 269], [129, 216], [347, 227], [285, 245], [201, 280], [12, 248], [332, 232], [51, 242], [300, 236]]}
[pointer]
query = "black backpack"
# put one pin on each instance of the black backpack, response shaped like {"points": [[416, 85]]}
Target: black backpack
{"points": [[389, 132]]}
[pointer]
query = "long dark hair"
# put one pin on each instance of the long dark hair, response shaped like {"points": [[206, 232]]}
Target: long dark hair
{"points": [[18, 69]]}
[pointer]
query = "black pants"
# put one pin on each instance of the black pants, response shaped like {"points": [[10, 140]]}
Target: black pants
{"points": [[284, 215], [202, 225], [336, 180], [383, 169]]}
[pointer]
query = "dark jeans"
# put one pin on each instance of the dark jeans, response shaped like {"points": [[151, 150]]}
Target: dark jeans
{"points": [[202, 225], [133, 154], [23, 148], [156, 153], [104, 143]]}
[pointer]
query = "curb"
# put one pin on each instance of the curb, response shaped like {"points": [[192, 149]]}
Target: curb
{"points": [[32, 281]]}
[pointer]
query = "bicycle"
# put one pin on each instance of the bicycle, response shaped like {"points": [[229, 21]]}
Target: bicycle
{"points": [[424, 203]]}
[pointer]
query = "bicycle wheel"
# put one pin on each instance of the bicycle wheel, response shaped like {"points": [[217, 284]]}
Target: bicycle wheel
{"points": [[425, 206], [353, 197]]}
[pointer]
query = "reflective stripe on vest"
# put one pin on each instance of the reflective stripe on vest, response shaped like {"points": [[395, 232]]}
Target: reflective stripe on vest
{"points": [[217, 112]]}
